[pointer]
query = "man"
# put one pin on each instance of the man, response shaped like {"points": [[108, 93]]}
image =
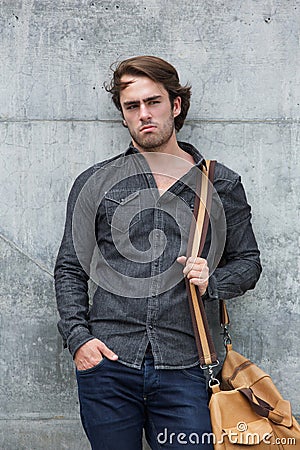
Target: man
{"points": [[127, 227]]}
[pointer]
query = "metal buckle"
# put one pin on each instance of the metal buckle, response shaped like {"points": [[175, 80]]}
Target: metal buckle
{"points": [[209, 366], [226, 336], [212, 380]]}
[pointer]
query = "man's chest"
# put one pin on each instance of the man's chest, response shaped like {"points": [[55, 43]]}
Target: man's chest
{"points": [[164, 182]]}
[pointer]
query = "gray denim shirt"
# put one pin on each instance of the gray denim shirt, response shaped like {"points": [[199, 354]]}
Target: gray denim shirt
{"points": [[124, 236]]}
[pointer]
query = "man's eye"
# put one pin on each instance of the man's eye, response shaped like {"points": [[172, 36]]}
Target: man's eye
{"points": [[131, 107], [153, 102]]}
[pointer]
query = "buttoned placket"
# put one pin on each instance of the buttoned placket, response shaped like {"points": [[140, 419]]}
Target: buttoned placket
{"points": [[153, 298]]}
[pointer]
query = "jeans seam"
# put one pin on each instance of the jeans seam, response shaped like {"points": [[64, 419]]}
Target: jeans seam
{"points": [[158, 446]]}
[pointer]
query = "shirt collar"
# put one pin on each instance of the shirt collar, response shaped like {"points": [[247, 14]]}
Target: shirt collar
{"points": [[189, 148]]}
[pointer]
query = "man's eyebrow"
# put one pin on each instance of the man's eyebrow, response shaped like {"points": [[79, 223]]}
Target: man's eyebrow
{"points": [[148, 99], [153, 97]]}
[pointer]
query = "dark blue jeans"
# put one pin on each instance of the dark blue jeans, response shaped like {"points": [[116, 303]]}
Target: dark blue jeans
{"points": [[117, 402]]}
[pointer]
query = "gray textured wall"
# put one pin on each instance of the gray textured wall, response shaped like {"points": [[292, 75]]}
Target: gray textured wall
{"points": [[242, 58]]}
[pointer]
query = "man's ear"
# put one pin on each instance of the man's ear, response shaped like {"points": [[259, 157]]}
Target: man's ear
{"points": [[177, 106], [124, 123]]}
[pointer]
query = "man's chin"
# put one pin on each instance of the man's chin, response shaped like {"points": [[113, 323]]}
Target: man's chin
{"points": [[148, 144]]}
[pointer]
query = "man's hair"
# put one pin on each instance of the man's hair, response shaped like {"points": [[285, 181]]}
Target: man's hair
{"points": [[157, 70]]}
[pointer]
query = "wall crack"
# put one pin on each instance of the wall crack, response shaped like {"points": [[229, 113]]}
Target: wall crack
{"points": [[19, 250]]}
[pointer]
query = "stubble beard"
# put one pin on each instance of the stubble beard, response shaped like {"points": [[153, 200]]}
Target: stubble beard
{"points": [[151, 142]]}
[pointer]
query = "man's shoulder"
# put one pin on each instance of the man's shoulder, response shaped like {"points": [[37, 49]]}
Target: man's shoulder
{"points": [[85, 179], [224, 174], [82, 178]]}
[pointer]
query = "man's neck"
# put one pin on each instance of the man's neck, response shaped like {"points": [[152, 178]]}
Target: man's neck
{"points": [[168, 164], [169, 148]]}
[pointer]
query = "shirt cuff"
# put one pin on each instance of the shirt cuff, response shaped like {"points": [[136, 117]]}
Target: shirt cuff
{"points": [[211, 292], [77, 339]]}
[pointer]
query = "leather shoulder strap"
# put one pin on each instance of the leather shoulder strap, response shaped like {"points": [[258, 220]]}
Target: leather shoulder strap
{"points": [[198, 232]]}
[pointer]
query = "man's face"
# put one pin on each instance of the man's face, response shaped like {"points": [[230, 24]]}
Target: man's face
{"points": [[148, 113]]}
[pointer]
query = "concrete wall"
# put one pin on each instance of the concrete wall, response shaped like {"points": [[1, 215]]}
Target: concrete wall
{"points": [[242, 58]]}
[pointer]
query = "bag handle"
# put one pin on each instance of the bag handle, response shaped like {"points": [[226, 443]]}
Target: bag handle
{"points": [[280, 414], [198, 231]]}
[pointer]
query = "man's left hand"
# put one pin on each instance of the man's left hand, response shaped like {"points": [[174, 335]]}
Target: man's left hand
{"points": [[196, 270]]}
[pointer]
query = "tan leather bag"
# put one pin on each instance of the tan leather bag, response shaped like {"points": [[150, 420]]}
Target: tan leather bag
{"points": [[246, 409]]}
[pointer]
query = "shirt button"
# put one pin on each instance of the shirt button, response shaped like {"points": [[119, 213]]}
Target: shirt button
{"points": [[153, 295], [150, 327]]}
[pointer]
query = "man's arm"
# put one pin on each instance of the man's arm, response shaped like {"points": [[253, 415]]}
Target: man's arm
{"points": [[240, 268], [71, 282], [71, 278]]}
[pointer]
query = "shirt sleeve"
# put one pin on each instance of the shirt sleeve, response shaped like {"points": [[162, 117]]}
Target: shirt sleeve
{"points": [[240, 267], [71, 273]]}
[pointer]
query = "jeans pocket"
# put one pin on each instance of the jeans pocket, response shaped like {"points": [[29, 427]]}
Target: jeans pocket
{"points": [[91, 369], [194, 373]]}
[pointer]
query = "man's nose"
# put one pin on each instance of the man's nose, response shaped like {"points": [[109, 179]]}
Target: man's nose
{"points": [[145, 113]]}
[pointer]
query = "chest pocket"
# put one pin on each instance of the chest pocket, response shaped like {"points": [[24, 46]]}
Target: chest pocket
{"points": [[123, 209], [185, 207]]}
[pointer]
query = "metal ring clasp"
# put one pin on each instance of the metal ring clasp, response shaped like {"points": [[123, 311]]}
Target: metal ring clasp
{"points": [[212, 380], [226, 336]]}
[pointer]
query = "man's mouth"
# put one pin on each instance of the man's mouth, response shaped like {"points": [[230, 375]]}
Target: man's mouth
{"points": [[149, 127]]}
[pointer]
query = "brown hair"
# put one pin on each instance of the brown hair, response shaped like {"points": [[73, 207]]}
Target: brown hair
{"points": [[157, 70]]}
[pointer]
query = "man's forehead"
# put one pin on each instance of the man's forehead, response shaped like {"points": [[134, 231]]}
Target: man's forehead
{"points": [[142, 84], [130, 78]]}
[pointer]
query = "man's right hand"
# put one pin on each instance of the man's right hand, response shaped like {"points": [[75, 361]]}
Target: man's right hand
{"points": [[91, 353]]}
